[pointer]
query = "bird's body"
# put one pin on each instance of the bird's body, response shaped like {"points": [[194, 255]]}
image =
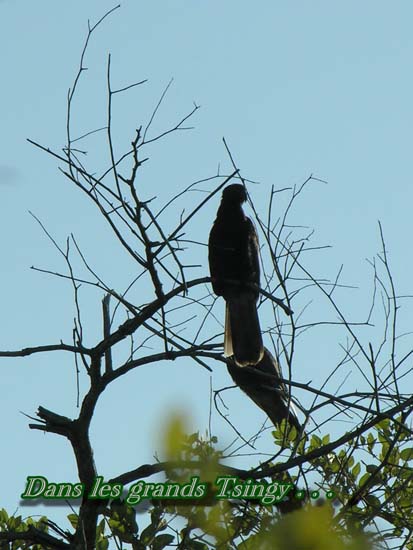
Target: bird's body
{"points": [[235, 272], [262, 383]]}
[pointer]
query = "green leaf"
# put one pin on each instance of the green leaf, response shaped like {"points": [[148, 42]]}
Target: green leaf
{"points": [[161, 541], [3, 515], [315, 441], [384, 450], [382, 438], [334, 465], [14, 522], [148, 533], [405, 502], [42, 524], [73, 518], [156, 515], [100, 529], [356, 470], [363, 479], [384, 424], [373, 501], [407, 454], [102, 544]]}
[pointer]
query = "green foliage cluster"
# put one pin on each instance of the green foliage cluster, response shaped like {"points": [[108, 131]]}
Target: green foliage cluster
{"points": [[17, 524], [230, 524], [372, 500]]}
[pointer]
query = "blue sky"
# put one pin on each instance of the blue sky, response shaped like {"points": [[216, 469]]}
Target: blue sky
{"points": [[296, 88]]}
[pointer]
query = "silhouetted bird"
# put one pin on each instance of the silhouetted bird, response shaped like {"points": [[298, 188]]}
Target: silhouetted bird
{"points": [[262, 384], [234, 267]]}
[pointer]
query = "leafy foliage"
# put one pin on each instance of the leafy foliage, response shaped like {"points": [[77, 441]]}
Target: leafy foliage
{"points": [[17, 524]]}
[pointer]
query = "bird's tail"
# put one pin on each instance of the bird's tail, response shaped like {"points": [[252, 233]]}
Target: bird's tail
{"points": [[281, 408], [243, 337], [262, 383], [228, 350]]}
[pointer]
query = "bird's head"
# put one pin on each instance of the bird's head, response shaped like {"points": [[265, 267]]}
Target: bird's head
{"points": [[234, 193]]}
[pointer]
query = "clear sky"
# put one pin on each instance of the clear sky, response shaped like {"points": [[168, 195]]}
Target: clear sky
{"points": [[296, 88]]}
